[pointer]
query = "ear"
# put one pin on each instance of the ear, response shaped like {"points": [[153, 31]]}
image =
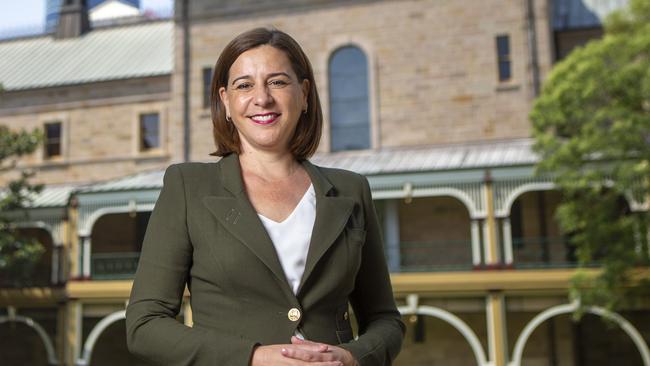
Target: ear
{"points": [[305, 91], [223, 95]]}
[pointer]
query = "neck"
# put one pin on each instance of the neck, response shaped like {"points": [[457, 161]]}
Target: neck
{"points": [[268, 165]]}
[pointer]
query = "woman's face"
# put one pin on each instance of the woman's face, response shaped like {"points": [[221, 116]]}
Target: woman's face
{"points": [[264, 98]]}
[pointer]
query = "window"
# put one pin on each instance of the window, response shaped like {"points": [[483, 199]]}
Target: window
{"points": [[52, 139], [207, 83], [149, 131], [567, 40], [503, 57], [349, 102]]}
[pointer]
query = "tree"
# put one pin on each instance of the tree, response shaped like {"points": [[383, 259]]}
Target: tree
{"points": [[18, 254], [591, 126]]}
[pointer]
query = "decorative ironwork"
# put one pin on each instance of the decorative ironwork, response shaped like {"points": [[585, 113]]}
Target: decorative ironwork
{"points": [[114, 266]]}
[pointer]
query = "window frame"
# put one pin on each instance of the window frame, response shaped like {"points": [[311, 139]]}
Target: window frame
{"points": [[334, 45], [206, 82], [161, 149], [503, 57], [47, 142], [41, 153], [142, 133]]}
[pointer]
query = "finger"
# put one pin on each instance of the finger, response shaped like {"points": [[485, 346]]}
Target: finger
{"points": [[307, 355], [299, 341], [311, 347]]}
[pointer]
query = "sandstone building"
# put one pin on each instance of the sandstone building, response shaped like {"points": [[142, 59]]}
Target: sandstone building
{"points": [[427, 98]]}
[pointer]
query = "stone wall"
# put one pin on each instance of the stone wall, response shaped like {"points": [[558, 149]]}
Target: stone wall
{"points": [[433, 66], [100, 132]]}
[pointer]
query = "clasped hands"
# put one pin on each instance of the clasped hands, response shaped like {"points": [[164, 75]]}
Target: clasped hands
{"points": [[302, 353]]}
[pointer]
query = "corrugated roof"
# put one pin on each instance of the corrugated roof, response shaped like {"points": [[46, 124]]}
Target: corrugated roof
{"points": [[575, 14], [50, 196], [53, 196], [113, 53], [145, 180], [375, 162], [367, 162], [432, 158]]}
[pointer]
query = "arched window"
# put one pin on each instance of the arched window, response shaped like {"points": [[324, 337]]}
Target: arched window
{"points": [[349, 100]]}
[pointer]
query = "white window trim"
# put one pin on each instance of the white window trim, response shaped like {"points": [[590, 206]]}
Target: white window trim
{"points": [[332, 45]]}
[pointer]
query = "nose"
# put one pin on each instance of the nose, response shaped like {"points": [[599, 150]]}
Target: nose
{"points": [[263, 95]]}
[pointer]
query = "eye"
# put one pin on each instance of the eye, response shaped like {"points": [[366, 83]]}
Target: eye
{"points": [[244, 86], [278, 83]]}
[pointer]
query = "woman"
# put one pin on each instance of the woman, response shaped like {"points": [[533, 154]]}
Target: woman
{"points": [[271, 247]]}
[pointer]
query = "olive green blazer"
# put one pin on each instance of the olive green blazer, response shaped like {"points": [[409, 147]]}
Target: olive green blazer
{"points": [[205, 234]]}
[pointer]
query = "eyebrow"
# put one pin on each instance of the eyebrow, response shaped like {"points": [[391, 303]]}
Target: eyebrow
{"points": [[270, 76]]}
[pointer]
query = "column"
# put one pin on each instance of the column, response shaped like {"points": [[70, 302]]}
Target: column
{"points": [[491, 243], [72, 267], [476, 243], [496, 327], [56, 253], [85, 257], [61, 333], [391, 234], [507, 241], [73, 331]]}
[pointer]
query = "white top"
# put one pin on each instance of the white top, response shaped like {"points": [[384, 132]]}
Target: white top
{"points": [[291, 237]]}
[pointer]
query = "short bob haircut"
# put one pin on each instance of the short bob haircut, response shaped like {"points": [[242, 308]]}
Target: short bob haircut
{"points": [[305, 140]]}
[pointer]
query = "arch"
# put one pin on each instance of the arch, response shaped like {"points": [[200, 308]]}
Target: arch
{"points": [[462, 239], [87, 223], [49, 348], [84, 360], [514, 194], [458, 194], [39, 225], [44, 233], [86, 228], [626, 326], [504, 210], [412, 308]]}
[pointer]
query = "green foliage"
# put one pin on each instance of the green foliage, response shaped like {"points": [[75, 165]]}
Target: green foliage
{"points": [[591, 124], [18, 255]]}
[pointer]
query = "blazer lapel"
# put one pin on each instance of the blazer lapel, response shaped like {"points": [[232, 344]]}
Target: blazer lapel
{"points": [[332, 214], [236, 214]]}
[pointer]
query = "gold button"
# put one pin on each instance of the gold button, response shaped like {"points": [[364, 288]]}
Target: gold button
{"points": [[294, 314], [345, 315]]}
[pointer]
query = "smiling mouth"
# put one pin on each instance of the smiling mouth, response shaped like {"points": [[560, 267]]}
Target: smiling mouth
{"points": [[265, 119]]}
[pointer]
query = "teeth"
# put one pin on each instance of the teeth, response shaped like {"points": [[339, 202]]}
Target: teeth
{"points": [[265, 118]]}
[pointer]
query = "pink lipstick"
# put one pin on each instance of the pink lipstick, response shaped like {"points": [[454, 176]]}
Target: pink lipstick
{"points": [[265, 119]]}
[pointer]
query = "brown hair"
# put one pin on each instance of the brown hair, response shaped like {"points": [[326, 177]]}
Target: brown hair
{"points": [[305, 140]]}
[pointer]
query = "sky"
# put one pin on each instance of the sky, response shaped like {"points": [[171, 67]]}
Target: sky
{"points": [[31, 13]]}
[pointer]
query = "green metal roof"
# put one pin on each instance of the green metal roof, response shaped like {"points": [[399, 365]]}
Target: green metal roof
{"points": [[50, 196], [110, 53]]}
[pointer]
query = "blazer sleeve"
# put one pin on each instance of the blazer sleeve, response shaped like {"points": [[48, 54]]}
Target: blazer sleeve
{"points": [[153, 333], [381, 329]]}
